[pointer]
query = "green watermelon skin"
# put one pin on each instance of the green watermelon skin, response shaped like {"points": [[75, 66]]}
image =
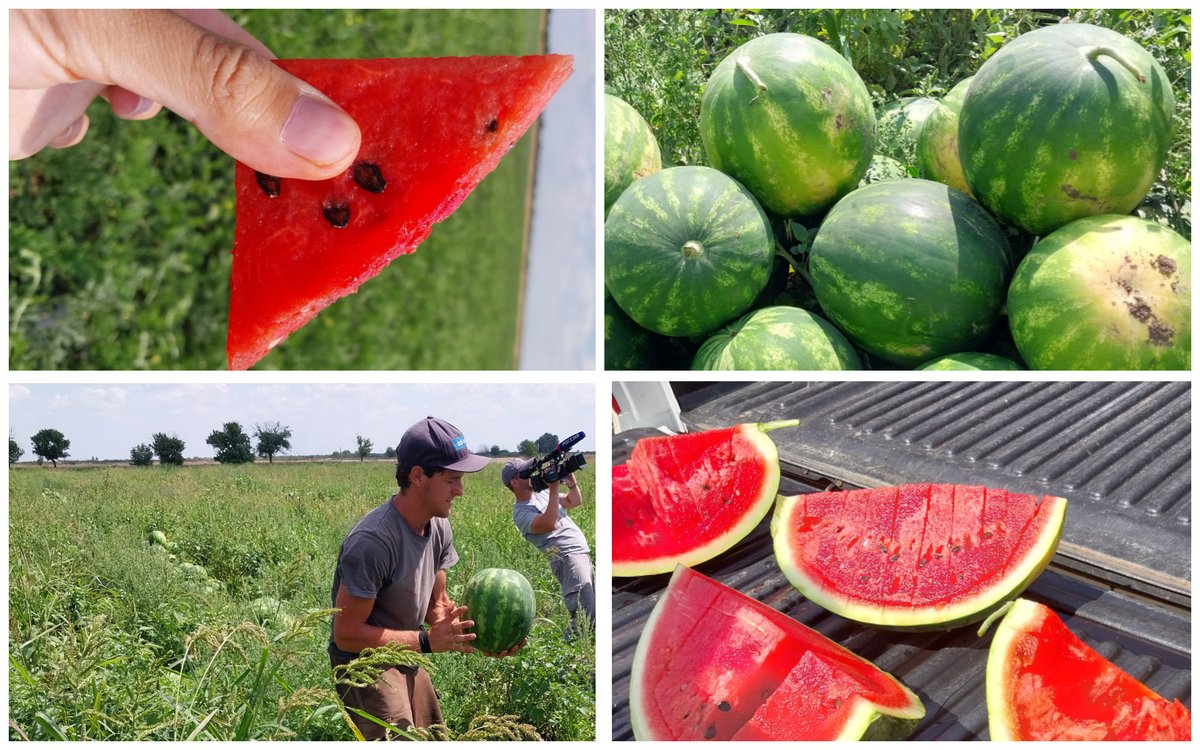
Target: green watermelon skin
{"points": [[686, 250], [1105, 293], [883, 168], [502, 605], [970, 361], [1047, 135], [630, 149], [898, 125], [778, 338], [802, 143], [911, 270], [937, 145], [627, 346]]}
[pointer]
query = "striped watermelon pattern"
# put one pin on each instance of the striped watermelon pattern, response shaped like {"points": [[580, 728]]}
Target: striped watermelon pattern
{"points": [[630, 150], [791, 120], [898, 125], [501, 603], [686, 250], [778, 338], [1105, 293], [937, 146], [1057, 126], [911, 270], [970, 362]]}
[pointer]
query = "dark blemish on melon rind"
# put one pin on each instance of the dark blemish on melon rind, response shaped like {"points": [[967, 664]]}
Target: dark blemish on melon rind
{"points": [[1165, 265], [1074, 155], [493, 126], [710, 733], [1161, 334], [337, 214], [723, 706], [1139, 310], [837, 121], [1076, 195], [269, 184], [369, 177]]}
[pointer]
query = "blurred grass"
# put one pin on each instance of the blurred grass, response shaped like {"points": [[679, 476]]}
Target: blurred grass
{"points": [[119, 247]]}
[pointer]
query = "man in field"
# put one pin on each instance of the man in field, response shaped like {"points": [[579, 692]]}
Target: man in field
{"points": [[390, 579], [542, 519]]}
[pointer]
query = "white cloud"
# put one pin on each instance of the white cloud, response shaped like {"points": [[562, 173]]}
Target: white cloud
{"points": [[17, 392]]}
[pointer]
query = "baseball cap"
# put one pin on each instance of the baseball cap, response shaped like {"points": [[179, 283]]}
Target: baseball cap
{"points": [[436, 442], [512, 468]]}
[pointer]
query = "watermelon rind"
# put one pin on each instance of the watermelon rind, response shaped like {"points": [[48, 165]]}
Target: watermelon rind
{"points": [[1001, 721], [937, 145], [883, 168], [999, 590], [777, 338], [630, 149], [868, 722], [756, 511], [502, 605], [970, 362]]}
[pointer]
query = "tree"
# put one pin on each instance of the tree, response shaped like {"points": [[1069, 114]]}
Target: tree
{"points": [[50, 445], [547, 442], [527, 448], [232, 444], [272, 439], [364, 447], [15, 451], [141, 455], [495, 451], [390, 452], [168, 448]]}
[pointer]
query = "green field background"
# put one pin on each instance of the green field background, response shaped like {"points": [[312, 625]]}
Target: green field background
{"points": [[107, 642], [119, 248]]}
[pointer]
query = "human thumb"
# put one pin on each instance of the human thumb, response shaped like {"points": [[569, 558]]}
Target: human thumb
{"points": [[246, 105]]}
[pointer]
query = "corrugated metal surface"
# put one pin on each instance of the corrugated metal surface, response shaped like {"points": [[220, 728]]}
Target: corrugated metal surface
{"points": [[1119, 452]]}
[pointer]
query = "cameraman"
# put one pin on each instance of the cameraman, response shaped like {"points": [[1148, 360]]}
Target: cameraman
{"points": [[542, 519]]}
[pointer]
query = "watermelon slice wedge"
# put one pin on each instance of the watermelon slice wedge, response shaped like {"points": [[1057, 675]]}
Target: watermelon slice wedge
{"points": [[714, 664], [432, 128], [916, 557], [687, 498], [1043, 683]]}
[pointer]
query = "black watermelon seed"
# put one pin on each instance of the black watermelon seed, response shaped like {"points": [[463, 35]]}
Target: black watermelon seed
{"points": [[710, 733], [894, 557], [493, 126], [369, 177], [987, 535], [268, 183], [337, 215], [723, 706]]}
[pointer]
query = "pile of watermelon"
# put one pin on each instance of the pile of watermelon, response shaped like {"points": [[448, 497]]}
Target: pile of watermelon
{"points": [[714, 664], [1051, 144]]}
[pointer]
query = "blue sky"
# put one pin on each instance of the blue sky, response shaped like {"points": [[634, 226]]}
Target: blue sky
{"points": [[105, 420]]}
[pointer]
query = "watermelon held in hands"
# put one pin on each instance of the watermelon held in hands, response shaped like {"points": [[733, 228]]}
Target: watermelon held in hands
{"points": [[1044, 683], [714, 664], [502, 605], [790, 119], [915, 557], [432, 128], [687, 498], [1064, 122], [1105, 293], [778, 338], [686, 250], [630, 150]]}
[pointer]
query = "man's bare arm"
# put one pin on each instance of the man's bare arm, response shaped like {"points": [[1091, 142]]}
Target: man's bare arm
{"points": [[573, 498], [352, 633]]}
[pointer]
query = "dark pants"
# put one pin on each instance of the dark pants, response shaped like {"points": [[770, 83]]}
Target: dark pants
{"points": [[403, 699]]}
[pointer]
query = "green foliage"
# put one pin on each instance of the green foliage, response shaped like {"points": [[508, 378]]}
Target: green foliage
{"points": [[141, 455], [15, 451], [547, 442], [527, 448], [273, 438], [364, 447], [48, 445], [108, 642], [119, 248], [168, 448], [232, 444]]}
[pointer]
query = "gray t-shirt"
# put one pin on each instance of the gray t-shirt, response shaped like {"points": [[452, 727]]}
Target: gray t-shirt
{"points": [[385, 560], [566, 536]]}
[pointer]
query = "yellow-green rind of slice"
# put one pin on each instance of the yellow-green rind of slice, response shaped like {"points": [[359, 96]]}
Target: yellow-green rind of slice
{"points": [[957, 614], [756, 433], [641, 730], [1002, 724]]}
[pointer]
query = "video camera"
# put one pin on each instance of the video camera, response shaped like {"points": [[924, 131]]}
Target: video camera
{"points": [[555, 465]]}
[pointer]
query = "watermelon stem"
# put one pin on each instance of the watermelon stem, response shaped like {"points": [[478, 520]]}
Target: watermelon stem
{"points": [[692, 249], [1095, 51], [768, 426], [743, 64], [994, 616]]}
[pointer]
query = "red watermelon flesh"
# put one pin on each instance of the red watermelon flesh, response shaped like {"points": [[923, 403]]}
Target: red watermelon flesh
{"points": [[715, 664], [917, 556], [434, 127], [1044, 683], [687, 498]]}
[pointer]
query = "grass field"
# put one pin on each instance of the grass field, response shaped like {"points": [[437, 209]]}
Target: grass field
{"points": [[119, 248], [107, 641]]}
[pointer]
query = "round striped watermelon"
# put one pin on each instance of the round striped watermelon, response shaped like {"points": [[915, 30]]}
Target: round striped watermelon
{"points": [[630, 150], [502, 605], [883, 168], [898, 125], [1064, 122], [627, 346], [937, 146], [791, 120], [686, 250], [778, 338], [1105, 293], [911, 270], [970, 361]]}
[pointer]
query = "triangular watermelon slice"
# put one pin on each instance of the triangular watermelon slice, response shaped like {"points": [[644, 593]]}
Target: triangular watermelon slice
{"points": [[714, 664], [1043, 683], [432, 128]]}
